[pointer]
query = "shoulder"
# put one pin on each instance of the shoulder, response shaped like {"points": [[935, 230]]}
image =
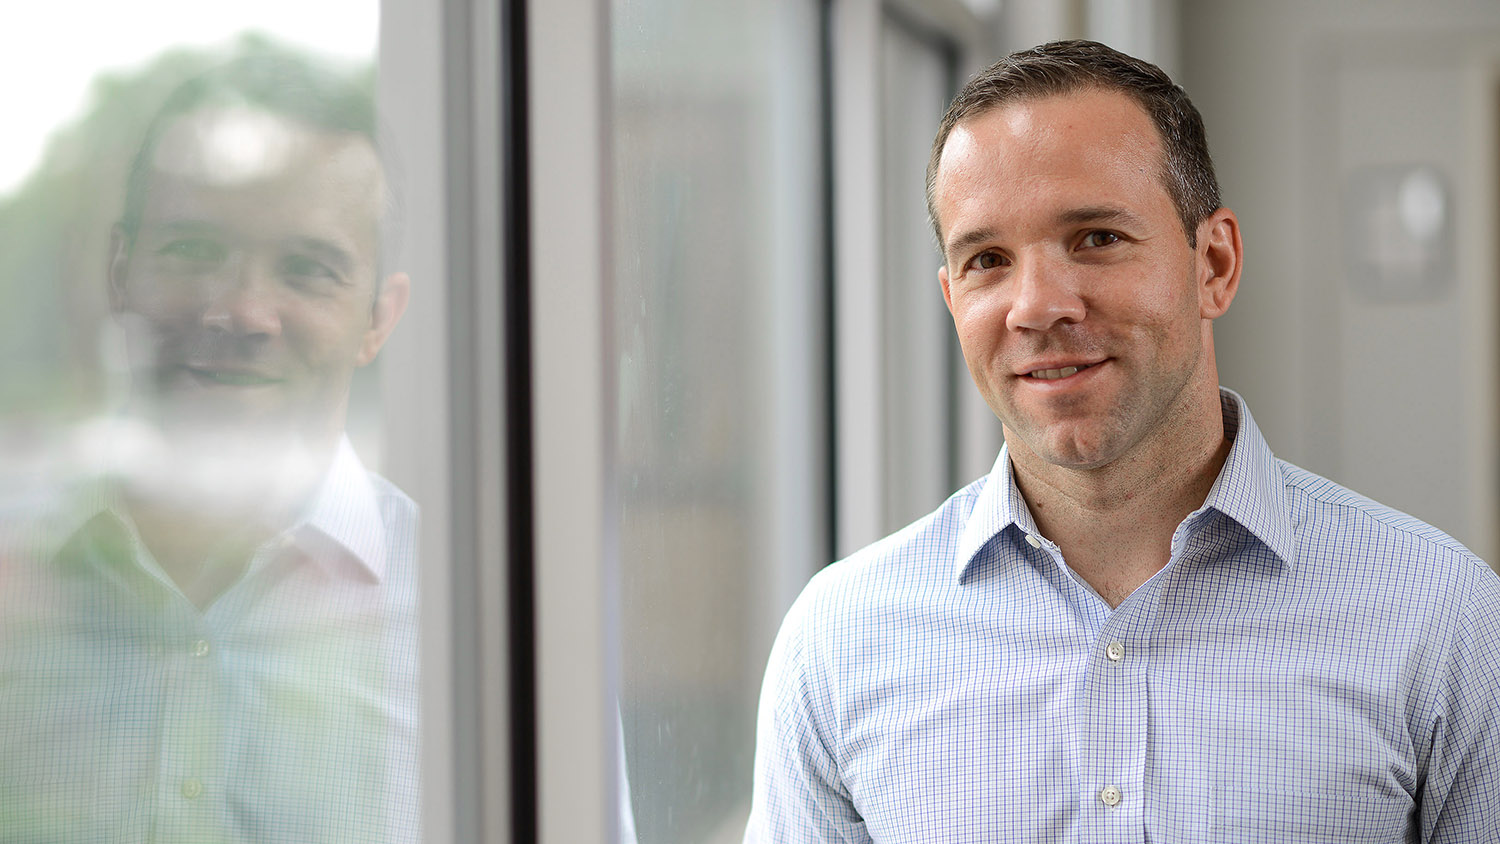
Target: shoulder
{"points": [[1386, 552], [37, 523], [876, 586], [1334, 519], [922, 551], [1332, 511]]}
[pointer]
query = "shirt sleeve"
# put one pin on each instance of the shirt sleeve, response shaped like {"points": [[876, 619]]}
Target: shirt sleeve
{"points": [[799, 795], [1459, 800]]}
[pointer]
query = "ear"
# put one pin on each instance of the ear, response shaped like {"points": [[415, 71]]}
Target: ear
{"points": [[1221, 256], [389, 305], [119, 265], [943, 280]]}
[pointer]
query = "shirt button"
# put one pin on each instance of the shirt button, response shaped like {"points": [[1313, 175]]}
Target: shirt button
{"points": [[1031, 538], [191, 788], [1109, 796], [200, 648], [1115, 651]]}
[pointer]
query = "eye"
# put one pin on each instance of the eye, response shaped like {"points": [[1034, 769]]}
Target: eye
{"points": [[303, 270], [198, 250], [988, 261], [1097, 239]]}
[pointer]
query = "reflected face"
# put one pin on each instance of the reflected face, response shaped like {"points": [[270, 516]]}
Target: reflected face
{"points": [[1071, 282], [250, 293]]}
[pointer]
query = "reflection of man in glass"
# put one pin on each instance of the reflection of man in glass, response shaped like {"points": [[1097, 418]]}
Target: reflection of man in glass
{"points": [[216, 641]]}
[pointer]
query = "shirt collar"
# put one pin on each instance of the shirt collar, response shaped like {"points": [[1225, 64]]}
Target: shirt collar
{"points": [[999, 506], [346, 511], [1248, 490], [65, 514]]}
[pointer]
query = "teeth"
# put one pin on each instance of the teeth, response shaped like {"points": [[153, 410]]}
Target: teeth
{"points": [[1054, 374]]}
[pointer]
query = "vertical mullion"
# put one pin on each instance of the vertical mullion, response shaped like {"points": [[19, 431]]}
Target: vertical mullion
{"points": [[491, 533], [520, 442], [827, 162], [570, 202]]}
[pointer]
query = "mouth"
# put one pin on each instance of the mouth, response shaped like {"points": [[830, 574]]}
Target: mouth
{"points": [[229, 377], [1057, 374]]}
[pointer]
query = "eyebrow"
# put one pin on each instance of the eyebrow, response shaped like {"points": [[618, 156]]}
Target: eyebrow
{"points": [[962, 242], [1100, 214], [1092, 214]]}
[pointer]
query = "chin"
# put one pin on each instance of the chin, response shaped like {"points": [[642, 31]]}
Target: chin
{"points": [[1073, 449], [214, 472], [241, 425], [1081, 462]]}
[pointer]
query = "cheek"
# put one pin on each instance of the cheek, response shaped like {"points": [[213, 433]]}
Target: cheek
{"points": [[1156, 304], [1174, 329], [325, 338], [978, 319], [154, 323], [164, 304]]}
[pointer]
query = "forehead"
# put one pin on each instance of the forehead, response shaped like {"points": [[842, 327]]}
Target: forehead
{"points": [[245, 166], [1091, 120], [1091, 144]]}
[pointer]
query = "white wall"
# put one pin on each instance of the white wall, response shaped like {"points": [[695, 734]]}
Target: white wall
{"points": [[1395, 399]]}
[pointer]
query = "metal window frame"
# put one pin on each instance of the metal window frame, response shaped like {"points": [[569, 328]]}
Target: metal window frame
{"points": [[486, 446], [576, 570], [854, 78]]}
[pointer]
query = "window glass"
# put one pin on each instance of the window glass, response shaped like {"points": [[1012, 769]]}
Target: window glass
{"points": [[717, 307], [207, 594], [922, 362]]}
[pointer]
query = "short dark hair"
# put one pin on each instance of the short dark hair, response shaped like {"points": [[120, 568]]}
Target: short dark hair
{"points": [[280, 82], [1066, 67]]}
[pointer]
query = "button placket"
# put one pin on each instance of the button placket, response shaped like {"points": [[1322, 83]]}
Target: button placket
{"points": [[1117, 720]]}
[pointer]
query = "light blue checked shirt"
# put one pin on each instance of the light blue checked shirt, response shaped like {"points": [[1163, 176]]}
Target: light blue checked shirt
{"points": [[1309, 667], [287, 712]]}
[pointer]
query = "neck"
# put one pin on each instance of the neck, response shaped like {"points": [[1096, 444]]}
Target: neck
{"points": [[203, 515], [203, 554], [1114, 523]]}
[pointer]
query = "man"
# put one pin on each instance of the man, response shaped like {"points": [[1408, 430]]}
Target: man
{"points": [[1140, 626], [215, 640]]}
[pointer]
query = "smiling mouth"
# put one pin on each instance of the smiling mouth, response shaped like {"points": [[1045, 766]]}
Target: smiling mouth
{"points": [[1055, 374], [231, 378]]}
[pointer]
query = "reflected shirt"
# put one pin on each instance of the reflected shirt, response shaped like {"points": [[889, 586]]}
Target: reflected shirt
{"points": [[285, 712], [1309, 666]]}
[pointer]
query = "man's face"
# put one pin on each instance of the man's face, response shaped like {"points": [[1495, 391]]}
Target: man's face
{"points": [[250, 293], [1077, 299]]}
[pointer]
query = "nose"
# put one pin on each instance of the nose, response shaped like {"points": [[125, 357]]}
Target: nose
{"points": [[242, 300], [1045, 295]]}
